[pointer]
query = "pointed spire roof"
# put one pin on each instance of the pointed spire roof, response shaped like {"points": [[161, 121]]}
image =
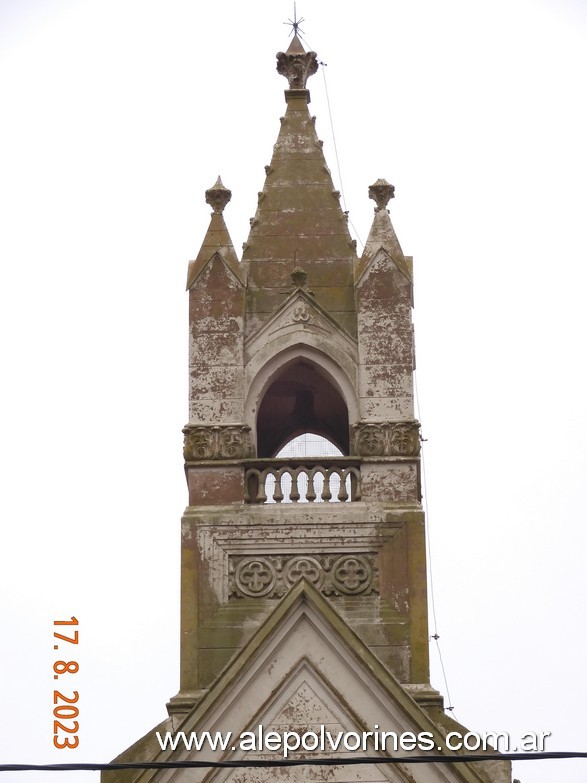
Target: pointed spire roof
{"points": [[298, 209], [217, 239], [296, 46], [382, 234]]}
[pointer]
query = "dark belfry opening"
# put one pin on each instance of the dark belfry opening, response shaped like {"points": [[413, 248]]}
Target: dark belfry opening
{"points": [[301, 399]]}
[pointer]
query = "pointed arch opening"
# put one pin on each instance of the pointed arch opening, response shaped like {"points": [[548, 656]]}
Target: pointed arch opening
{"points": [[301, 400]]}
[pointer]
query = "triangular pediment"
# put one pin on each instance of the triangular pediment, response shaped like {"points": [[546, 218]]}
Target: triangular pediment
{"points": [[382, 256], [309, 705], [198, 267], [305, 669], [300, 314]]}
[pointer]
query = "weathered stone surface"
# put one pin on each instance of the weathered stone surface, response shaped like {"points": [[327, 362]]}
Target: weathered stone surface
{"points": [[216, 348], [331, 272], [210, 486], [216, 343], [388, 317], [227, 324], [215, 287], [390, 381], [209, 383], [212, 411], [397, 482], [397, 409], [383, 279], [385, 348]]}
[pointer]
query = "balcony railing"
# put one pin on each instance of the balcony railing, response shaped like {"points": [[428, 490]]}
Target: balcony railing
{"points": [[310, 480]]}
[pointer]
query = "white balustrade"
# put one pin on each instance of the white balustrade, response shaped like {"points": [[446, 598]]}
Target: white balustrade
{"points": [[287, 481]]}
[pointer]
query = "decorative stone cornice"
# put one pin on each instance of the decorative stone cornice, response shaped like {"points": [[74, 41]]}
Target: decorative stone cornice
{"points": [[387, 439], [202, 443], [271, 576]]}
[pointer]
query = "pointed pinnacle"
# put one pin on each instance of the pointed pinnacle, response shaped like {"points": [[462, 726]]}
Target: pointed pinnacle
{"points": [[295, 46]]}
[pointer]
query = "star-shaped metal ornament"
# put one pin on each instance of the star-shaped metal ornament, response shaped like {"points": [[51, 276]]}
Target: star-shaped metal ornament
{"points": [[295, 24]]}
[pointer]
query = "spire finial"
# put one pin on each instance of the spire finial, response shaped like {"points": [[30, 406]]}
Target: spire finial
{"points": [[297, 65], [381, 192], [218, 196]]}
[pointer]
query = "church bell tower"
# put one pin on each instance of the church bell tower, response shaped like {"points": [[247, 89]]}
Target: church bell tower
{"points": [[303, 577]]}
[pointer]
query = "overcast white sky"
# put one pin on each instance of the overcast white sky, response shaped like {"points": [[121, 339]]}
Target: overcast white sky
{"points": [[116, 115]]}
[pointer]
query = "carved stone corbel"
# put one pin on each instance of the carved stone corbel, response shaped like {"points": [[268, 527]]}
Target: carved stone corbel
{"points": [[387, 439], [202, 443]]}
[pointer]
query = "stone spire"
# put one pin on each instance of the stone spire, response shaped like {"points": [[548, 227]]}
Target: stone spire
{"points": [[217, 239], [299, 220]]}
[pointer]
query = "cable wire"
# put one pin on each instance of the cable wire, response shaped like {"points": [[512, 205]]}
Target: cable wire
{"points": [[345, 761], [435, 635], [346, 211]]}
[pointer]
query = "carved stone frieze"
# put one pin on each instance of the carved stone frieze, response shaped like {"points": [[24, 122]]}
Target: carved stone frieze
{"points": [[231, 441], [387, 439], [271, 576], [255, 577]]}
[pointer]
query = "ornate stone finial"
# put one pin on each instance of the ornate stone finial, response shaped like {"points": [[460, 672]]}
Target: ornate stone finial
{"points": [[381, 191], [299, 277], [218, 196], [296, 64]]}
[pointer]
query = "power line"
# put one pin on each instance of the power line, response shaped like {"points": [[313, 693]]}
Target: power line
{"points": [[330, 762], [435, 635], [346, 212]]}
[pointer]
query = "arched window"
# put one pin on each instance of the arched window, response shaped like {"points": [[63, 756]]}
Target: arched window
{"points": [[301, 400]]}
